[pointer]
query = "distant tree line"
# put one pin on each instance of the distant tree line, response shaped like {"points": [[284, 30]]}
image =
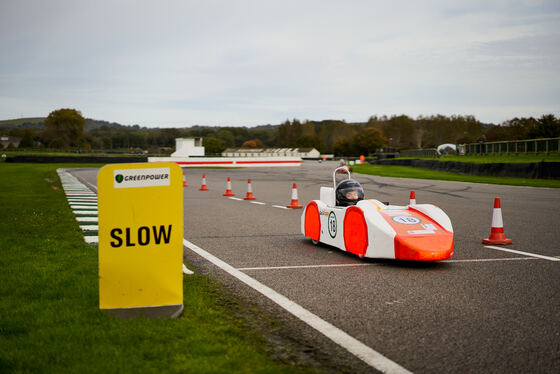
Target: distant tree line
{"points": [[67, 129]]}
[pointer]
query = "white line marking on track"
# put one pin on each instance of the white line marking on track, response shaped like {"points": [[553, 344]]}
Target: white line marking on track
{"points": [[493, 259], [287, 267], [280, 206], [351, 344], [257, 202], [523, 253], [236, 198], [303, 267], [92, 186]]}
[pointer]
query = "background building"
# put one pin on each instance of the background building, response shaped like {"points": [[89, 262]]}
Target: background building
{"points": [[305, 153], [187, 147]]}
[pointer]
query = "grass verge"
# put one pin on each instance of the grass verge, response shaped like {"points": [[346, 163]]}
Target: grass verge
{"points": [[49, 314], [495, 158], [417, 173]]}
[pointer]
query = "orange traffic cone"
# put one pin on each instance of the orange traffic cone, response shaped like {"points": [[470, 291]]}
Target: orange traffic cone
{"points": [[184, 180], [228, 188], [497, 235], [203, 187], [412, 198], [249, 195], [295, 203]]}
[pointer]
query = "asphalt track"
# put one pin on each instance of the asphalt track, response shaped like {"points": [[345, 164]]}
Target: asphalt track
{"points": [[485, 310]]}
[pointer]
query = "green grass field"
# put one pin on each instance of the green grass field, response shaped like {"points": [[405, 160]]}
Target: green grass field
{"points": [[49, 315], [417, 173], [497, 158]]}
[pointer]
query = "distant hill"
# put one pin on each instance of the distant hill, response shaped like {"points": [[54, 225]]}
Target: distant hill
{"points": [[23, 123], [92, 124], [38, 123]]}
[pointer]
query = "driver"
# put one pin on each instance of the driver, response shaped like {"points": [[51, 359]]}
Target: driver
{"points": [[349, 192]]}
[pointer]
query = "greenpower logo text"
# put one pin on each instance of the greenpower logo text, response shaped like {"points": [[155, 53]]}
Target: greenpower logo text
{"points": [[152, 177]]}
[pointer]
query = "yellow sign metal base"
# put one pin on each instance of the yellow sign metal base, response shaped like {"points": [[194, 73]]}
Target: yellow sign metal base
{"points": [[164, 311]]}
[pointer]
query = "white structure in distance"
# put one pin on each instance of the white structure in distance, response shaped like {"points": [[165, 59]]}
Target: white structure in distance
{"points": [[186, 147], [305, 153]]}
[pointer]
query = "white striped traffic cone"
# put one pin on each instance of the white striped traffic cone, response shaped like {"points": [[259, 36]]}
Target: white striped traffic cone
{"points": [[203, 187], [249, 195], [497, 235], [295, 203], [412, 198], [229, 192], [184, 180]]}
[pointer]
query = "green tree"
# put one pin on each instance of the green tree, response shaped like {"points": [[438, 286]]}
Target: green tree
{"points": [[213, 145], [332, 131], [226, 136], [547, 127], [27, 139], [57, 143], [401, 131], [519, 128], [367, 141], [496, 133], [308, 138], [308, 142], [342, 147], [64, 125], [288, 133]]}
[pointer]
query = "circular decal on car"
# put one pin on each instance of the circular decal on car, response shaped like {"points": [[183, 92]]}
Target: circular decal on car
{"points": [[332, 225], [406, 220]]}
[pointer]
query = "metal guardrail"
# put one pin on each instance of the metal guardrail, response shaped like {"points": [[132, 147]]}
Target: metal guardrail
{"points": [[526, 146]]}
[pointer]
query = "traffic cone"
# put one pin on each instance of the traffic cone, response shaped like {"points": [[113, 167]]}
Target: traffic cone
{"points": [[203, 187], [294, 204], [184, 180], [412, 198], [497, 235], [249, 195], [228, 188]]}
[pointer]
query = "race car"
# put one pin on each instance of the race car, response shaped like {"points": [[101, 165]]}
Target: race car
{"points": [[370, 228]]}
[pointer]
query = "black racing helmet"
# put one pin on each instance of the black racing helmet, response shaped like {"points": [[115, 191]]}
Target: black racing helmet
{"points": [[349, 192]]}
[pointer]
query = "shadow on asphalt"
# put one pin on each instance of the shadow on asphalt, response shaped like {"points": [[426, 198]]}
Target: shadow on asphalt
{"points": [[421, 265]]}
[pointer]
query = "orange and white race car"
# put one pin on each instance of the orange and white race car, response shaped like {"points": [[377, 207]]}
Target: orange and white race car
{"points": [[370, 228]]}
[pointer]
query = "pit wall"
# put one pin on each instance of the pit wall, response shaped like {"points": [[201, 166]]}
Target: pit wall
{"points": [[229, 162]]}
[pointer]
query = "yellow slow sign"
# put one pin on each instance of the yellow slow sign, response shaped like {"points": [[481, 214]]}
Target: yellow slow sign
{"points": [[140, 235]]}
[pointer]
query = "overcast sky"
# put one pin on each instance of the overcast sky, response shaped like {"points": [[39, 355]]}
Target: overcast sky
{"points": [[245, 63]]}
